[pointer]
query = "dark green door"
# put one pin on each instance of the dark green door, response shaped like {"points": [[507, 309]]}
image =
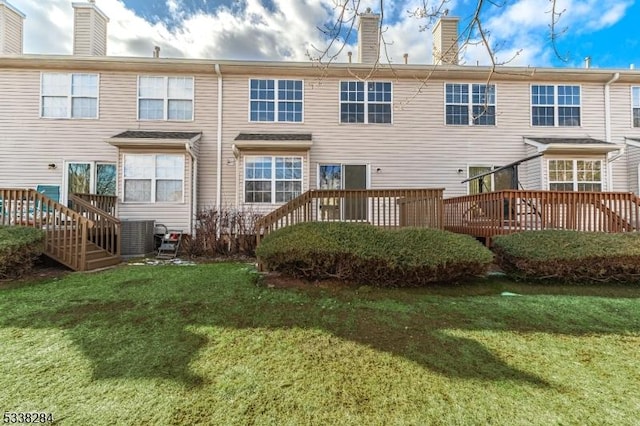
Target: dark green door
{"points": [[355, 205]]}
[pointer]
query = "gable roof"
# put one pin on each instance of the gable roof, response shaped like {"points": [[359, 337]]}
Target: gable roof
{"points": [[145, 139]]}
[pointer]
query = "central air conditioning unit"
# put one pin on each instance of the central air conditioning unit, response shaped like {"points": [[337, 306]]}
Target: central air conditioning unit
{"points": [[137, 237]]}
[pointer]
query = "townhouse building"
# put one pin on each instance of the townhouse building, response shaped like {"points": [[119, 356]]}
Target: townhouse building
{"points": [[171, 136]]}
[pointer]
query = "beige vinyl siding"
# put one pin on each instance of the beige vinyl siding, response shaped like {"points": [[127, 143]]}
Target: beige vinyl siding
{"points": [[82, 32], [530, 172], [11, 29], [418, 149], [633, 160], [621, 126], [172, 215], [30, 143], [99, 45]]}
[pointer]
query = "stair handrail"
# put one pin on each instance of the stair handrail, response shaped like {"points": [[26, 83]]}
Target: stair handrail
{"points": [[106, 233], [264, 224], [65, 229]]}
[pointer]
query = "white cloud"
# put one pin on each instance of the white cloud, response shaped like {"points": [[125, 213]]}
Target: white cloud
{"points": [[251, 31]]}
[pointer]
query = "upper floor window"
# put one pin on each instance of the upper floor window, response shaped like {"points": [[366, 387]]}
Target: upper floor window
{"points": [[272, 179], [275, 100], [165, 98], [151, 178], [66, 95], [356, 106], [555, 105], [471, 104], [635, 95], [575, 175]]}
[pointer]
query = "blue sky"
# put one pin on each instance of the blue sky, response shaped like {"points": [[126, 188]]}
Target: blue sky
{"points": [[287, 29]]}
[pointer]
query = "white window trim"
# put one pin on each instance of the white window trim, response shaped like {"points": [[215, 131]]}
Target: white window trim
{"points": [[92, 184], [632, 106], [603, 186], [470, 105], [166, 99], [70, 97], [276, 99], [154, 179], [272, 180], [366, 103], [556, 118], [485, 165]]}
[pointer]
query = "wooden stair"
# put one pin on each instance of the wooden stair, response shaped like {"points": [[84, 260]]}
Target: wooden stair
{"points": [[84, 238]]}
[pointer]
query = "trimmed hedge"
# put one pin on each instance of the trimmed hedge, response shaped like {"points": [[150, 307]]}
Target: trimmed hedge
{"points": [[570, 256], [19, 247], [366, 254]]}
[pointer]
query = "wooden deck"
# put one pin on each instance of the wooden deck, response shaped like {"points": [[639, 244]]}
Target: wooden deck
{"points": [[387, 208], [83, 238], [481, 215], [505, 212]]}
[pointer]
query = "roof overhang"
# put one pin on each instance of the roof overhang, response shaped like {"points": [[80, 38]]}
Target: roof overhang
{"points": [[633, 142], [572, 146], [136, 139], [272, 142]]}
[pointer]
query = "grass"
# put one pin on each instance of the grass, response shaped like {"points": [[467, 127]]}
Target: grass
{"points": [[206, 345]]}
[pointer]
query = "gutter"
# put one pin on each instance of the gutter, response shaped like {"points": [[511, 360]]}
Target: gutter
{"points": [[194, 187], [219, 153]]}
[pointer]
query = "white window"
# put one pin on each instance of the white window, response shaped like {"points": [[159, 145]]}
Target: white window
{"points": [[635, 96], [64, 95], [470, 104], [372, 106], [575, 175], [555, 105], [272, 179], [165, 98], [153, 178], [276, 100]]}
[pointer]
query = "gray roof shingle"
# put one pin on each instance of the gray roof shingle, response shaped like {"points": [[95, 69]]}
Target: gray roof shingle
{"points": [[577, 141], [144, 134], [273, 137]]}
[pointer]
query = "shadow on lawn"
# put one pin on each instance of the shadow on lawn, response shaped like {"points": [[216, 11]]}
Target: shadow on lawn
{"points": [[126, 339]]}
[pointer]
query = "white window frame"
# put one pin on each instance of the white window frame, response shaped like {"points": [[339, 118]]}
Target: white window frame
{"points": [[93, 179], [70, 96], [153, 179], [365, 102], [491, 167], [166, 98], [470, 104], [575, 182], [635, 104], [276, 100], [556, 106], [273, 179]]}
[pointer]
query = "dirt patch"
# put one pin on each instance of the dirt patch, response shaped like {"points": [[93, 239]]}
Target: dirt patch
{"points": [[43, 270], [278, 280]]}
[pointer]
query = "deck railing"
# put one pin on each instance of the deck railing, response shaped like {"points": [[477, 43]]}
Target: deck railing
{"points": [[66, 231], [106, 203], [388, 208], [504, 212], [106, 232]]}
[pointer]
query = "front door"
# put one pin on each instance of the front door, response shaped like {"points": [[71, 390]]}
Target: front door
{"points": [[343, 176], [90, 178]]}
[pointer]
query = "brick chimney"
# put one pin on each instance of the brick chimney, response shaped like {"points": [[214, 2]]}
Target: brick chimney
{"points": [[369, 37], [445, 41], [11, 34], [89, 30]]}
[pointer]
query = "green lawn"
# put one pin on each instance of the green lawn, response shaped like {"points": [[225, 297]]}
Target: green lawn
{"points": [[206, 345]]}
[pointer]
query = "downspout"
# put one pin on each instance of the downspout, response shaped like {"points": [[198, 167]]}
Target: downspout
{"points": [[607, 126], [194, 187], [219, 154], [607, 106]]}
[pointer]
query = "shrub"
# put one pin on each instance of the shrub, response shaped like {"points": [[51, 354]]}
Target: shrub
{"points": [[19, 247], [223, 232], [570, 256], [366, 254]]}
